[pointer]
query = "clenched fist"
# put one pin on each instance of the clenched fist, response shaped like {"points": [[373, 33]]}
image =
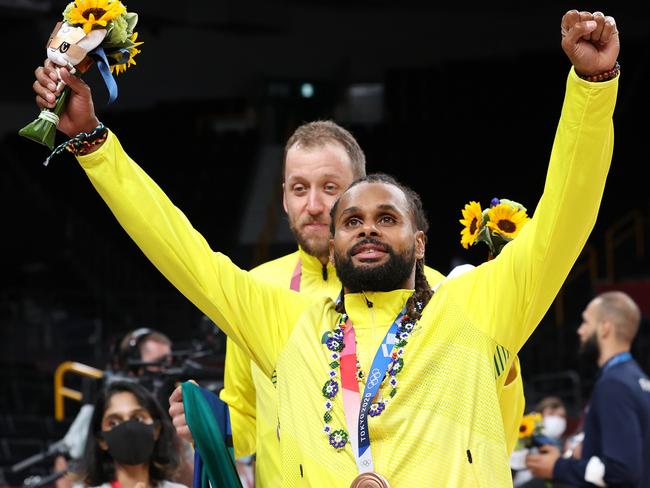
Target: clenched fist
{"points": [[591, 42]]}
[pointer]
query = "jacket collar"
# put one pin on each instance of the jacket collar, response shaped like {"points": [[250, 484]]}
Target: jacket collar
{"points": [[375, 308]]}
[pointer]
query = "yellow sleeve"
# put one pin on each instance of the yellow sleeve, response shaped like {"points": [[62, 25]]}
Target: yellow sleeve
{"points": [[239, 393], [512, 403], [508, 296], [240, 390], [235, 301]]}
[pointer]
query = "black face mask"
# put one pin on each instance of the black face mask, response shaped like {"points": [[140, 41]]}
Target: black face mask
{"points": [[130, 442]]}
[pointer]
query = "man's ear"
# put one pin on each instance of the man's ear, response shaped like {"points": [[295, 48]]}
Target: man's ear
{"points": [[331, 246], [420, 244], [605, 329]]}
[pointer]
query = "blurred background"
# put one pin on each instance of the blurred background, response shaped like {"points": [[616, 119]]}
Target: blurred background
{"points": [[459, 101]]}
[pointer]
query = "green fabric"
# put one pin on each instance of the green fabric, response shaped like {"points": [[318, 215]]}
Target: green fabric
{"points": [[218, 465]]}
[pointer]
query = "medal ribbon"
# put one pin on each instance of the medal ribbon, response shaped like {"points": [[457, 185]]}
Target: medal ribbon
{"points": [[296, 277], [356, 408]]}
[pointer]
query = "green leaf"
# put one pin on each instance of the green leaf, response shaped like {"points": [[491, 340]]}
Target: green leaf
{"points": [[43, 131], [131, 20]]}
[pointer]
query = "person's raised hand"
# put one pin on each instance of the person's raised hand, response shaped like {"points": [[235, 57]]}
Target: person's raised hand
{"points": [[177, 413], [79, 115], [591, 42]]}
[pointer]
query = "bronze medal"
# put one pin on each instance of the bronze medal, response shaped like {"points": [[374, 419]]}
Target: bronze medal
{"points": [[369, 480]]}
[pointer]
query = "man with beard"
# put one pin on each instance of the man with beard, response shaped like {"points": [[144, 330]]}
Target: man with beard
{"points": [[616, 445], [321, 159], [392, 383]]}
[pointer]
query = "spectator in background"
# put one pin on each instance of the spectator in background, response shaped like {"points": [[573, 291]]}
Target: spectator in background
{"points": [[554, 418], [616, 446], [553, 426], [142, 350], [142, 355], [131, 441]]}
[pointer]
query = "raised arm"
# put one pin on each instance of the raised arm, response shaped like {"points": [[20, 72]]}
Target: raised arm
{"points": [[524, 279], [234, 300]]}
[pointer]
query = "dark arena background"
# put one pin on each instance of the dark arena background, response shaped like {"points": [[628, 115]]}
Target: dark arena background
{"points": [[459, 100]]}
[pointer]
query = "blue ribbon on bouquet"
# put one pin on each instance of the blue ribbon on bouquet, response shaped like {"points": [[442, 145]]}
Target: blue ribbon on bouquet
{"points": [[99, 56]]}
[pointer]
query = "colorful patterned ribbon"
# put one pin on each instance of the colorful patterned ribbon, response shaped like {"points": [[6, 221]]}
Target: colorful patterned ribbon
{"points": [[356, 408]]}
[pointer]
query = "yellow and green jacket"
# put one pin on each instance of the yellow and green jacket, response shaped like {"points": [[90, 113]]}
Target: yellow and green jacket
{"points": [[252, 396], [444, 427]]}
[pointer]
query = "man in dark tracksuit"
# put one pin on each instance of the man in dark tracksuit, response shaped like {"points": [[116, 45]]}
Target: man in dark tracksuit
{"points": [[616, 448]]}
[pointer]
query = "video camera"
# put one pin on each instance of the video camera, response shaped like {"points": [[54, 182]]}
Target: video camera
{"points": [[161, 377]]}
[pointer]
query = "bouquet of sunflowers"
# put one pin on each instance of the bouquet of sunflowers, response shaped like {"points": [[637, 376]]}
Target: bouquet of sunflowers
{"points": [[530, 431], [100, 32], [496, 225]]}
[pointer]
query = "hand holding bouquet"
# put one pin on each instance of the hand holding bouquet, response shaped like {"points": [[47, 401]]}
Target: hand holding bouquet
{"points": [[97, 32]]}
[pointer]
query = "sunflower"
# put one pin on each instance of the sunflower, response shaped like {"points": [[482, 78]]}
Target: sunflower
{"points": [[472, 218], [506, 220], [529, 424], [94, 13], [133, 51]]}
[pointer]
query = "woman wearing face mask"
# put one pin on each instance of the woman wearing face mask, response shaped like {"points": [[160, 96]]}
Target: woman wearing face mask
{"points": [[553, 419], [554, 424], [131, 441]]}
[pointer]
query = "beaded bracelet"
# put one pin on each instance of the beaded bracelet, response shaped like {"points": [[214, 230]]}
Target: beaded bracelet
{"points": [[604, 76], [82, 143]]}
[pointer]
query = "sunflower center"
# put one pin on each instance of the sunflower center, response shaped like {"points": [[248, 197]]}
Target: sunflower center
{"points": [[96, 12], [506, 226], [473, 226]]}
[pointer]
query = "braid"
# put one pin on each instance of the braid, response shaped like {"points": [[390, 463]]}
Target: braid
{"points": [[340, 305], [422, 294]]}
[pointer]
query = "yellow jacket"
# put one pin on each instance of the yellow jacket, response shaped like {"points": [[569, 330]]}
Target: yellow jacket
{"points": [[249, 393], [252, 397], [443, 428]]}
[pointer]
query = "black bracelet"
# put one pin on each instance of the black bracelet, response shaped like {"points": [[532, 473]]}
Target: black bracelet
{"points": [[81, 143]]}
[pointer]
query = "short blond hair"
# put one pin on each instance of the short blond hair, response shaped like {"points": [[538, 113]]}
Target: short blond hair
{"points": [[320, 132]]}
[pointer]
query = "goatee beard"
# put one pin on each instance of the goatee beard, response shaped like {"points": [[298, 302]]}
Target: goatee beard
{"points": [[313, 247], [385, 277]]}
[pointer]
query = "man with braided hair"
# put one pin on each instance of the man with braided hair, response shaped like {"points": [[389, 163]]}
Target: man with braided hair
{"points": [[384, 387]]}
